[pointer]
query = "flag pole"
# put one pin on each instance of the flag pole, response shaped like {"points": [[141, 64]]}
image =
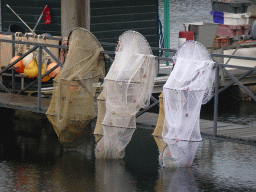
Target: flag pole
{"points": [[21, 19], [39, 19]]}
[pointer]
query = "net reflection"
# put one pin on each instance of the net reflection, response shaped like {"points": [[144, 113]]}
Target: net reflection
{"points": [[178, 154], [111, 175], [181, 179]]}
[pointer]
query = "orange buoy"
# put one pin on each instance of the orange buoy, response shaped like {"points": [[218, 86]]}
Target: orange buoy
{"points": [[55, 72], [18, 67]]}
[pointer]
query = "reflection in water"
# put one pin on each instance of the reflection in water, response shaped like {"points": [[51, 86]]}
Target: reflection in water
{"points": [[180, 179], [38, 162], [111, 175], [179, 154]]}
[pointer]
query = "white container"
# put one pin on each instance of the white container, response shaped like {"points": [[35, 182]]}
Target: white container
{"points": [[236, 18]]}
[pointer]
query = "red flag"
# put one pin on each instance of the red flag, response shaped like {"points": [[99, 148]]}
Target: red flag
{"points": [[47, 15]]}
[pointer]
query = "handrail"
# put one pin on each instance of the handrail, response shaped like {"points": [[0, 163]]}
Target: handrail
{"points": [[234, 80], [43, 46], [40, 46]]}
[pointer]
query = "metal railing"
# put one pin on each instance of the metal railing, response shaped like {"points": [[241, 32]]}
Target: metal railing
{"points": [[41, 47], [217, 91]]}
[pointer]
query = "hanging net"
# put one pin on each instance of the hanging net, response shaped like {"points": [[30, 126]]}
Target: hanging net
{"points": [[71, 108], [189, 85], [127, 86], [101, 102]]}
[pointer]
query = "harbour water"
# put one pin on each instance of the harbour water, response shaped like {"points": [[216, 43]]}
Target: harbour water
{"points": [[184, 11], [32, 159]]}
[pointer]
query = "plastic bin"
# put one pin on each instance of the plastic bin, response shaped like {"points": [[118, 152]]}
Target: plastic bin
{"points": [[185, 36], [230, 18], [218, 17], [232, 30], [236, 19], [234, 6]]}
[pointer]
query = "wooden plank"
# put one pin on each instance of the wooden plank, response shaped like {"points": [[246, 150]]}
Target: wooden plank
{"points": [[123, 25], [123, 17], [122, 9], [149, 120], [23, 102]]}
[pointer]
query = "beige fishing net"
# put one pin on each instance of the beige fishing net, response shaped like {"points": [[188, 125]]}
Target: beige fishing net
{"points": [[101, 102], [127, 87], [189, 85], [71, 108]]}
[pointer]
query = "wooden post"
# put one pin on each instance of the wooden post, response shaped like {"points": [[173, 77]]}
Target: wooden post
{"points": [[74, 13]]}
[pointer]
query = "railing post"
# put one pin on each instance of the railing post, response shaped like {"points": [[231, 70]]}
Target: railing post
{"points": [[216, 100], [39, 78], [13, 72], [167, 28]]}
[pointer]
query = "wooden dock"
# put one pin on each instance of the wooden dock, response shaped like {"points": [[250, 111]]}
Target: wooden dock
{"points": [[228, 130], [147, 120], [23, 102]]}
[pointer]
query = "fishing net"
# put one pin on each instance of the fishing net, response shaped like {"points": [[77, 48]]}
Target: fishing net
{"points": [[189, 85], [101, 102], [71, 108], [127, 86], [159, 126]]}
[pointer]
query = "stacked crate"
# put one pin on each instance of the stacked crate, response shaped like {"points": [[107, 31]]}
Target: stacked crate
{"points": [[233, 20]]}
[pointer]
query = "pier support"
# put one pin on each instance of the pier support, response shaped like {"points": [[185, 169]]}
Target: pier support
{"points": [[216, 100]]}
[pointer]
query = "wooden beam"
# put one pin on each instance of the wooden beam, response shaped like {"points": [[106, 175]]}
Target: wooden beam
{"points": [[74, 13]]}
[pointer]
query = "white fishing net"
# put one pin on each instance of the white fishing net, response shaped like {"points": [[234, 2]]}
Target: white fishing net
{"points": [[189, 85], [179, 154], [128, 86], [71, 108]]}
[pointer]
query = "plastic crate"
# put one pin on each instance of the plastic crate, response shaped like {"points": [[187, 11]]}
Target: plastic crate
{"points": [[230, 18], [234, 6], [232, 30], [218, 17], [236, 19]]}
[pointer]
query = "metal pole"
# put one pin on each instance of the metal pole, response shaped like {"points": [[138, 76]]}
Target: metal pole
{"points": [[39, 78], [21, 19], [167, 27], [216, 98], [13, 72]]}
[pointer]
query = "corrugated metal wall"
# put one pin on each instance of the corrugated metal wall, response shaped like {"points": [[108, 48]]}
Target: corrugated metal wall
{"points": [[110, 18], [30, 11]]}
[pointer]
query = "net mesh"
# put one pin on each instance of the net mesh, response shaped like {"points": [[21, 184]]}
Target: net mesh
{"points": [[71, 108], [127, 86], [189, 85], [101, 102]]}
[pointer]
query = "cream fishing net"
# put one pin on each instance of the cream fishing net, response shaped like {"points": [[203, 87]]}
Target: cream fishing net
{"points": [[127, 86], [189, 85], [71, 108]]}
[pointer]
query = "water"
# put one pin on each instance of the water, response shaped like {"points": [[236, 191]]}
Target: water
{"points": [[185, 11], [33, 160]]}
